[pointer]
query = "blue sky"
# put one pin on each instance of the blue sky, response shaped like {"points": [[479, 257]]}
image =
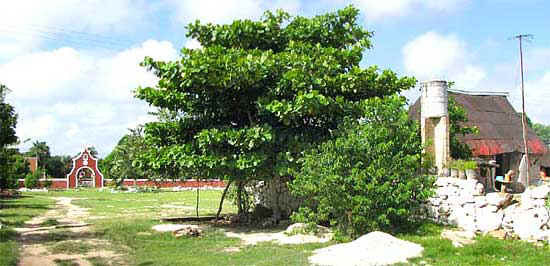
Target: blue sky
{"points": [[72, 65]]}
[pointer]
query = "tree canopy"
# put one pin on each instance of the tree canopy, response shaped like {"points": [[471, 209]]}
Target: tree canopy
{"points": [[368, 178], [118, 165], [8, 122], [260, 93], [542, 131]]}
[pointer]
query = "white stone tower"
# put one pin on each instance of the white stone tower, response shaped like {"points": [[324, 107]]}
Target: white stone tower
{"points": [[434, 121]]}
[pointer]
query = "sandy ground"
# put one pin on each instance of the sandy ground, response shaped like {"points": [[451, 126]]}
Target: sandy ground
{"points": [[279, 237], [36, 240]]}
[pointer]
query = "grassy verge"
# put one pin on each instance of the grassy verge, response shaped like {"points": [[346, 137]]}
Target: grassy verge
{"points": [[13, 213], [126, 219], [485, 251], [152, 248], [146, 205]]}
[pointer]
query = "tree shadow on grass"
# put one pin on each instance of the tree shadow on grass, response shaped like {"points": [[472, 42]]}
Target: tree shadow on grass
{"points": [[418, 228], [53, 236]]}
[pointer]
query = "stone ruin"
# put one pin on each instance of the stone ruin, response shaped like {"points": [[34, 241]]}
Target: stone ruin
{"points": [[464, 203]]}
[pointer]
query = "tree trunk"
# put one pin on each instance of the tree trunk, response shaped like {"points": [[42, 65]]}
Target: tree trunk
{"points": [[239, 199], [221, 201], [198, 189]]}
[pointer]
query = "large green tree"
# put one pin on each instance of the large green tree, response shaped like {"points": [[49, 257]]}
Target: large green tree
{"points": [[8, 122], [119, 164], [55, 166], [368, 178], [259, 93], [542, 131]]}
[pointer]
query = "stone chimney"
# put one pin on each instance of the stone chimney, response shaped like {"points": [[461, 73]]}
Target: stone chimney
{"points": [[434, 120]]}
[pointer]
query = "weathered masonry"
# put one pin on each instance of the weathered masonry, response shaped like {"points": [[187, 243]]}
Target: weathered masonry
{"points": [[500, 135]]}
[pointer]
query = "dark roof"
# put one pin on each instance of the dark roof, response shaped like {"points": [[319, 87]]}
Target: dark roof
{"points": [[500, 129]]}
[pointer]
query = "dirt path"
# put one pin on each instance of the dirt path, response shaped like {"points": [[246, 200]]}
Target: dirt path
{"points": [[62, 236]]}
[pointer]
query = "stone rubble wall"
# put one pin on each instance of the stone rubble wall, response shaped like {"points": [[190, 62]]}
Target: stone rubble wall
{"points": [[463, 203], [274, 194]]}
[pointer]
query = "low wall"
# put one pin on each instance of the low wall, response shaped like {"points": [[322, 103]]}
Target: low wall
{"points": [[177, 183], [464, 203], [57, 183], [274, 194], [61, 183]]}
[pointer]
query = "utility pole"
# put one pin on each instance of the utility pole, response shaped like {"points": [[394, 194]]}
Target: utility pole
{"points": [[520, 37]]}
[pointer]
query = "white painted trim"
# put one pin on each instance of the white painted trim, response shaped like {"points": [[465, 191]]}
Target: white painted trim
{"points": [[96, 166], [81, 168]]}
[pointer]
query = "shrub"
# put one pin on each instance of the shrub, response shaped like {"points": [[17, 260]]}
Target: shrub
{"points": [[470, 165], [368, 178], [32, 180]]}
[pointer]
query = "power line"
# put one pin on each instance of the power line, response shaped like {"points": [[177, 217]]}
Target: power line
{"points": [[65, 36], [520, 37]]}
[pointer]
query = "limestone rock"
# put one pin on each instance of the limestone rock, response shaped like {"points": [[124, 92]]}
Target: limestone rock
{"points": [[528, 223], [540, 192], [436, 201], [188, 231], [299, 228], [480, 202], [459, 238], [172, 227], [531, 199], [375, 248], [463, 219], [464, 199], [479, 190], [509, 215], [543, 235], [500, 234], [499, 199], [487, 220], [443, 181]]}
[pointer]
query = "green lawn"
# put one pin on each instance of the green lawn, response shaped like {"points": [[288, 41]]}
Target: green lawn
{"points": [[13, 213], [485, 251], [125, 219]]}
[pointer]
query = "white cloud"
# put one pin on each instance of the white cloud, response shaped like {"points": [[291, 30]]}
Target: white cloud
{"points": [[93, 16], [226, 11], [68, 97], [193, 44], [435, 56], [118, 75], [29, 23], [45, 74], [377, 9], [537, 94]]}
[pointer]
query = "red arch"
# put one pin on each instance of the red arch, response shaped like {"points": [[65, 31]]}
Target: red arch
{"points": [[84, 160]]}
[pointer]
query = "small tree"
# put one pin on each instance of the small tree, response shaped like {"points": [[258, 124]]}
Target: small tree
{"points": [[457, 118], [32, 180], [259, 93], [543, 132], [119, 164], [367, 178], [8, 122]]}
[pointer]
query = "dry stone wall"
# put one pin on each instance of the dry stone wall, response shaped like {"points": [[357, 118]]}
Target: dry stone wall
{"points": [[464, 203], [274, 194]]}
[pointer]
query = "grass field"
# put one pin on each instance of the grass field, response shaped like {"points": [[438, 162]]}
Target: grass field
{"points": [[124, 220], [13, 213]]}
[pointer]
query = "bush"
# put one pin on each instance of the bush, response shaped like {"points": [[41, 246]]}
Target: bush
{"points": [[368, 178], [32, 180]]}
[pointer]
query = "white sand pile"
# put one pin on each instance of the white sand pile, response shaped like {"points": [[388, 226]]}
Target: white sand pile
{"points": [[376, 248]]}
